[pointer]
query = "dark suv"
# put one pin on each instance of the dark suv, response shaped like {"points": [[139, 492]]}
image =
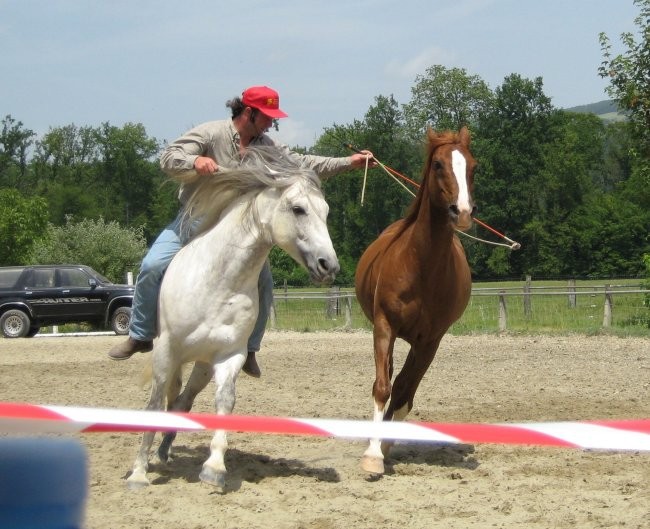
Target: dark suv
{"points": [[35, 296]]}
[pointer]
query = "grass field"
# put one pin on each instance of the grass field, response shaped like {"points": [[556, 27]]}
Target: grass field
{"points": [[550, 309]]}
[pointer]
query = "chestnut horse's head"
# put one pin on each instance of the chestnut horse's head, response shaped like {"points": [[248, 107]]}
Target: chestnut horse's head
{"points": [[449, 176]]}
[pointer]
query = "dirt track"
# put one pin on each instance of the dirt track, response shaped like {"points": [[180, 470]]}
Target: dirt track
{"points": [[304, 483]]}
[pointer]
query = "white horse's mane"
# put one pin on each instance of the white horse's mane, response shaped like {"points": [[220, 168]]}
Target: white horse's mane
{"points": [[262, 167]]}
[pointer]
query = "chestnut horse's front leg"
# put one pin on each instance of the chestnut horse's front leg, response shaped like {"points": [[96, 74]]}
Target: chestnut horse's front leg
{"points": [[384, 341], [407, 381]]}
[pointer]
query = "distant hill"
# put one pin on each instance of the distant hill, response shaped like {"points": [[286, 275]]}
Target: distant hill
{"points": [[607, 110]]}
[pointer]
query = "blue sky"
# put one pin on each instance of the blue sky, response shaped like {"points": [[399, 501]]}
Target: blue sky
{"points": [[171, 65]]}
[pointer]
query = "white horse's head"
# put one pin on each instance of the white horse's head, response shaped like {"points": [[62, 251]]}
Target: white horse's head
{"points": [[297, 223], [285, 205]]}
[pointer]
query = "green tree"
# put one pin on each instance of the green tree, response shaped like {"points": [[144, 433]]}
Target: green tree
{"points": [[353, 225], [609, 238], [127, 171], [570, 169], [286, 270], [65, 165], [15, 142], [67, 155], [444, 99], [164, 206], [105, 246], [511, 146], [630, 86], [22, 221], [617, 163], [104, 171], [628, 75]]}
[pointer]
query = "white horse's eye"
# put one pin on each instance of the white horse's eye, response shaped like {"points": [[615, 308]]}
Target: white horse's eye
{"points": [[298, 210]]}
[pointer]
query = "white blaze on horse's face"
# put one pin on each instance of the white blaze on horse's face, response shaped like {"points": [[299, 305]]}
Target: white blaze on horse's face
{"points": [[464, 201], [300, 228]]}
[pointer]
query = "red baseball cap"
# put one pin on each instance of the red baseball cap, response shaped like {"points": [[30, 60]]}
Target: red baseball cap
{"points": [[265, 99]]}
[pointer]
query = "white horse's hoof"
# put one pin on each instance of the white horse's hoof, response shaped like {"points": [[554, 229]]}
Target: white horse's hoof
{"points": [[372, 464], [137, 482], [215, 478]]}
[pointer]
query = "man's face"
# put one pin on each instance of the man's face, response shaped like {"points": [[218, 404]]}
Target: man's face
{"points": [[261, 123]]}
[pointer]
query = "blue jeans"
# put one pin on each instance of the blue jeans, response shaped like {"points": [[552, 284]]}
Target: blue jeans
{"points": [[144, 316]]}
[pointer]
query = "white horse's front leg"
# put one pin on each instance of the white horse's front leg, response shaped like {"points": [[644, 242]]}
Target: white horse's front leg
{"points": [[199, 378], [138, 478], [225, 374], [162, 369]]}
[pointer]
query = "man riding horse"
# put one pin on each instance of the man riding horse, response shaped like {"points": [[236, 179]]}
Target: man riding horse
{"points": [[197, 154]]}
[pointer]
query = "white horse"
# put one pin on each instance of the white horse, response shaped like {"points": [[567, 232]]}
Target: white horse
{"points": [[209, 299]]}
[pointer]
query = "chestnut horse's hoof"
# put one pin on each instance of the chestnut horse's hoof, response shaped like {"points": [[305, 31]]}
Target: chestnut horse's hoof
{"points": [[373, 465]]}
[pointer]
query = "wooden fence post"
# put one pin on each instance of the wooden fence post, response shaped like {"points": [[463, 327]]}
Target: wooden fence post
{"points": [[572, 294], [332, 307], [503, 313], [348, 312], [527, 308], [272, 316], [609, 304]]}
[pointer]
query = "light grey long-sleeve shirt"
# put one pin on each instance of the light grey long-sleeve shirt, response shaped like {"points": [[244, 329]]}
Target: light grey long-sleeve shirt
{"points": [[219, 140]]}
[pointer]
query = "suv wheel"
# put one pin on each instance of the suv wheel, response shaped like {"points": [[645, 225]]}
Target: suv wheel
{"points": [[120, 320], [15, 324]]}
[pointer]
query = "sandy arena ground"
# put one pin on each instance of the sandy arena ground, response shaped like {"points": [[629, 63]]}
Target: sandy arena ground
{"points": [[316, 483]]}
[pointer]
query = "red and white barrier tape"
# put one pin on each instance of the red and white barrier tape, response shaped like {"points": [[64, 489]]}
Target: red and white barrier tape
{"points": [[595, 435]]}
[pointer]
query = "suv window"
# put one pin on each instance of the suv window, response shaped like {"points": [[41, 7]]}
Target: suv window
{"points": [[73, 277], [9, 276], [42, 278]]}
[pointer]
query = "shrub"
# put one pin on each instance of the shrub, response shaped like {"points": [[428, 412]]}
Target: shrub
{"points": [[107, 247]]}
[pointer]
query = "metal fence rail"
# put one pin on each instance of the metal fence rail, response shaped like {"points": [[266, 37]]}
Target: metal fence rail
{"points": [[586, 309]]}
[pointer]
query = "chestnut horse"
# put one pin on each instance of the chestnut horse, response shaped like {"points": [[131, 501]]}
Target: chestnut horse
{"points": [[413, 282]]}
